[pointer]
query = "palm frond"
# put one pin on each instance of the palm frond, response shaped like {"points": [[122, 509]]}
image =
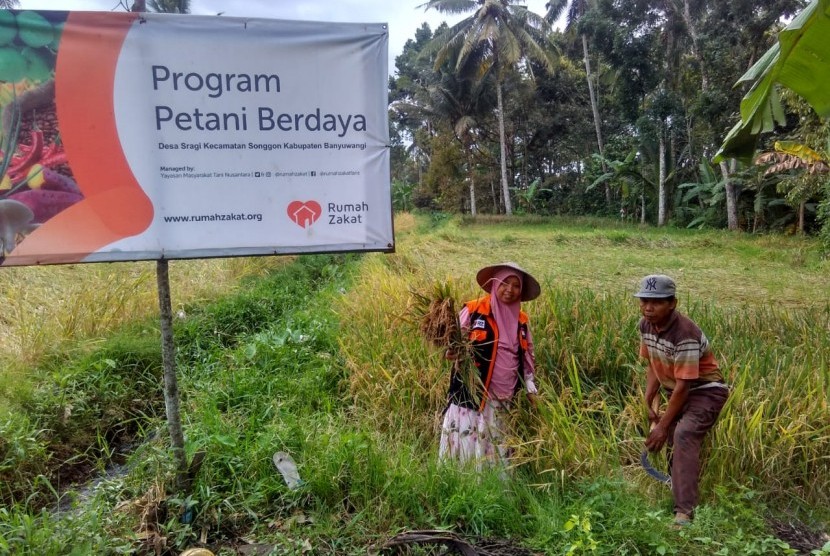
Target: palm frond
{"points": [[449, 6]]}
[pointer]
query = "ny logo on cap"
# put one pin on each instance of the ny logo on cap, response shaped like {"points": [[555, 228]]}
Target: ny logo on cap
{"points": [[651, 284]]}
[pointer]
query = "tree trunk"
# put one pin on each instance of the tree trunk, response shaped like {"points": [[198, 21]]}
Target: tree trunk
{"points": [[496, 199], [661, 188], [756, 220], [423, 165], [690, 25], [731, 198], [508, 207], [595, 111], [801, 209], [472, 172], [171, 387]]}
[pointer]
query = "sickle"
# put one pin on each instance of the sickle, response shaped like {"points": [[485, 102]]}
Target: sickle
{"points": [[654, 473]]}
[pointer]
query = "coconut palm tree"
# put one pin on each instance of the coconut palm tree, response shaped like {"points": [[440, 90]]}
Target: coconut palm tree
{"points": [[498, 35], [458, 105], [9, 4], [463, 103]]}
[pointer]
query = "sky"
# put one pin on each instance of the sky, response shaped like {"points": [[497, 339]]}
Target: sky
{"points": [[403, 16]]}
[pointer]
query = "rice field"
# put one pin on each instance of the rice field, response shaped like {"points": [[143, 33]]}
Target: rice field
{"points": [[762, 301]]}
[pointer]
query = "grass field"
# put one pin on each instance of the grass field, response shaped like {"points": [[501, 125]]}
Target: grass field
{"points": [[717, 267], [71, 308], [322, 358]]}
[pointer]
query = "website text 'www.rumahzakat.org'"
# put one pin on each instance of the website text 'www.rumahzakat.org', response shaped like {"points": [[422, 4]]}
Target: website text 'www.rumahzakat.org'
{"points": [[215, 217]]}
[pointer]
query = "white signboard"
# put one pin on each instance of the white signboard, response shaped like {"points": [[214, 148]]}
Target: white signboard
{"points": [[186, 136]]}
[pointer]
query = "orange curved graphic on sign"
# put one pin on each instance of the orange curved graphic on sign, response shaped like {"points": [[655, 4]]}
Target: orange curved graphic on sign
{"points": [[114, 205]]}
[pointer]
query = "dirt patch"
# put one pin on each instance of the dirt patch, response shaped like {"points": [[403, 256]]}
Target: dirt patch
{"points": [[798, 535], [447, 542]]}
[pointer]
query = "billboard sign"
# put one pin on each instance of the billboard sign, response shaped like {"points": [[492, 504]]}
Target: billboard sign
{"points": [[144, 136]]}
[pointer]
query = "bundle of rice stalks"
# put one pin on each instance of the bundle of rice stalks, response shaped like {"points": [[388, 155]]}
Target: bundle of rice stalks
{"points": [[437, 316], [438, 322]]}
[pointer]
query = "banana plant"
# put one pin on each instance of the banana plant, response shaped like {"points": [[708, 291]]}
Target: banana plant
{"points": [[708, 193], [528, 197], [798, 62], [626, 171]]}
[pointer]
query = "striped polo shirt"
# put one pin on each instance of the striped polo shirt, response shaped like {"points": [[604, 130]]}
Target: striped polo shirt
{"points": [[679, 350]]}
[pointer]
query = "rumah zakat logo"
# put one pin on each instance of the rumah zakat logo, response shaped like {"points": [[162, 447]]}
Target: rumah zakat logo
{"points": [[304, 213]]}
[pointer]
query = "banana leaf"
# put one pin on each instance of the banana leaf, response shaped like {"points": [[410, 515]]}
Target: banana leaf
{"points": [[800, 61]]}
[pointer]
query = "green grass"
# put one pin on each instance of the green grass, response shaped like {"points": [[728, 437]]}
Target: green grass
{"points": [[322, 358], [67, 310]]}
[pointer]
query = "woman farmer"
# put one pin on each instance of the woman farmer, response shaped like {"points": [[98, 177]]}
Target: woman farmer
{"points": [[502, 352]]}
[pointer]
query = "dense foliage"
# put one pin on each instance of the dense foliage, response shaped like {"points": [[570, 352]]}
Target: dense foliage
{"points": [[626, 122]]}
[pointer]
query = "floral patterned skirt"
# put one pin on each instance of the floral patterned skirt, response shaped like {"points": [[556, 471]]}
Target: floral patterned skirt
{"points": [[471, 436]]}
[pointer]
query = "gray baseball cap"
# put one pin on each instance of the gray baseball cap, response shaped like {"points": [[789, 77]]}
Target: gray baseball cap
{"points": [[656, 286]]}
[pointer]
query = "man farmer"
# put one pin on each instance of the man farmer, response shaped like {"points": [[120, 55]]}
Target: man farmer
{"points": [[680, 360]]}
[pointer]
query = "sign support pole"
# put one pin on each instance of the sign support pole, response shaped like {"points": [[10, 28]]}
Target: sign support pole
{"points": [[171, 387]]}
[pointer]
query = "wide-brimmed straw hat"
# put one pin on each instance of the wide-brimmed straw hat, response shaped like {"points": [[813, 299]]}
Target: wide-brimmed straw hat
{"points": [[530, 287]]}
